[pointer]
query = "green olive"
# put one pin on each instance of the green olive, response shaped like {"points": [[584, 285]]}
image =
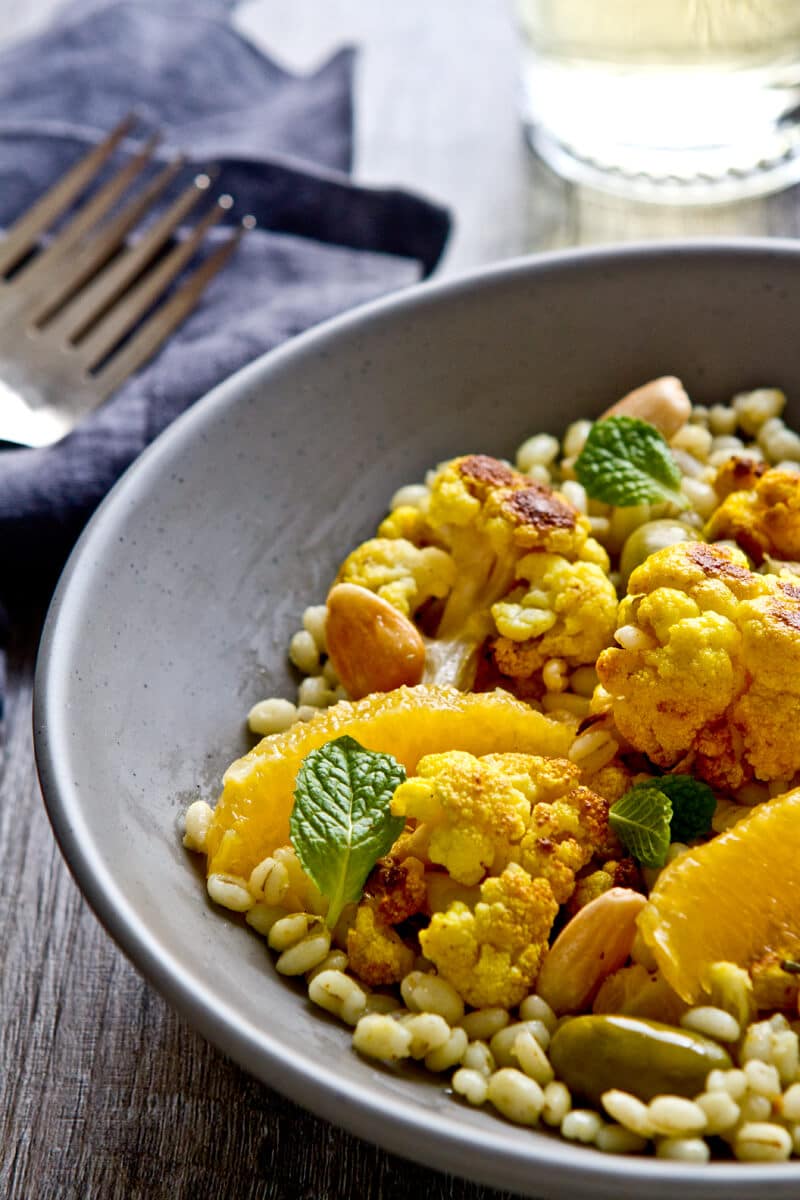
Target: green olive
{"points": [[652, 536], [593, 1054]]}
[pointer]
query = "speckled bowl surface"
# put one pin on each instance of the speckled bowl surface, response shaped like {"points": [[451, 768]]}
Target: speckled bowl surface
{"points": [[174, 612]]}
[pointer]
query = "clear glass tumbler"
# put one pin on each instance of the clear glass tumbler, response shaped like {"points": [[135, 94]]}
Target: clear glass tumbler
{"points": [[667, 100]]}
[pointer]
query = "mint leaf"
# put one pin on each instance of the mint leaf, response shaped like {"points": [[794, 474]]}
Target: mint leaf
{"points": [[341, 823], [641, 820], [693, 804], [626, 461]]}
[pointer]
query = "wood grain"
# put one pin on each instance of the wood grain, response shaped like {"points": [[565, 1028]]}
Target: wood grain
{"points": [[105, 1091]]}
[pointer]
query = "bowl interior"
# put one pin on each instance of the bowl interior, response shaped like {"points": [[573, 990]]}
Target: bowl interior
{"points": [[174, 614]]}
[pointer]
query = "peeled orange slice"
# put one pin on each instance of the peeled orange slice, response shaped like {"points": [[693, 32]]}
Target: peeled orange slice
{"points": [[734, 899], [252, 815]]}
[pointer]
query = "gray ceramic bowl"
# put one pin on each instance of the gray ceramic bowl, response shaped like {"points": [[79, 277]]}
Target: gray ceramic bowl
{"points": [[174, 613]]}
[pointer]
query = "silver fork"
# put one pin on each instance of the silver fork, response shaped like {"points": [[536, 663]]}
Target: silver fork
{"points": [[67, 310]]}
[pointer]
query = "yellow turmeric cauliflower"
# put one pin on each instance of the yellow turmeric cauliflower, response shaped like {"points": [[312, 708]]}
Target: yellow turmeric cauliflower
{"points": [[568, 610], [376, 953], [478, 536], [468, 807], [623, 872], [479, 814], [709, 666], [763, 517], [492, 955], [399, 572], [408, 521]]}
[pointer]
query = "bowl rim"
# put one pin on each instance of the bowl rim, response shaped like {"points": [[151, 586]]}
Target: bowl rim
{"points": [[397, 1124]]}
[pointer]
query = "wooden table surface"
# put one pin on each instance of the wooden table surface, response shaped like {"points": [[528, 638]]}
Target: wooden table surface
{"points": [[105, 1091]]}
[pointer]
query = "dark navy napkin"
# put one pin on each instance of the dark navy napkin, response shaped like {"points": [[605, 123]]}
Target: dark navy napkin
{"points": [[283, 145]]}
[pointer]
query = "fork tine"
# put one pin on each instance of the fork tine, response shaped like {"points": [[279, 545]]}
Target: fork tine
{"points": [[132, 307], [82, 311], [144, 344], [90, 257], [87, 216], [23, 234]]}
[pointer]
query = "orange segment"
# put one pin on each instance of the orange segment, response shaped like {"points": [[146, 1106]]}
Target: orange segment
{"points": [[734, 899], [252, 815]]}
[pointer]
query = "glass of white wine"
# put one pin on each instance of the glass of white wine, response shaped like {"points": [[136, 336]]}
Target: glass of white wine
{"points": [[666, 100]]}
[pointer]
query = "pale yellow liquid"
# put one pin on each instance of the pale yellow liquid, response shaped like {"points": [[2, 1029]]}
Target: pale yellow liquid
{"points": [[664, 89]]}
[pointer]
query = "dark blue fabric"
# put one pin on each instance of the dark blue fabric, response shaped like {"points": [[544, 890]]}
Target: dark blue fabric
{"points": [[283, 145]]}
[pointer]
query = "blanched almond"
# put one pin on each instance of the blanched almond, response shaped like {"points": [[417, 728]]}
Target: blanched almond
{"points": [[663, 402], [596, 942], [373, 647]]}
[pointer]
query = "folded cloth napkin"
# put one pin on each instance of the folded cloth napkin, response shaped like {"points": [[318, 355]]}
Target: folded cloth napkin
{"points": [[283, 145]]}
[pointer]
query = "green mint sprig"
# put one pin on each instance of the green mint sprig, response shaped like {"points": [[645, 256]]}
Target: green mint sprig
{"points": [[693, 804], [626, 461], [641, 820], [655, 812], [341, 823]]}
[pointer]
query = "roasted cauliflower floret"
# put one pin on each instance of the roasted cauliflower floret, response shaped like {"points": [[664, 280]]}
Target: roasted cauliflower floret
{"points": [[464, 549], [623, 872], [407, 522], [397, 888], [563, 835], [568, 610], [763, 516], [399, 572], [376, 952], [611, 781], [479, 814], [467, 808], [738, 473], [708, 666], [492, 955]]}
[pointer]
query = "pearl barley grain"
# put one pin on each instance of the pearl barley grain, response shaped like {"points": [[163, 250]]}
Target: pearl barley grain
{"points": [[557, 1102], [575, 438], [230, 891], [762, 1141], [713, 1022], [306, 954], [629, 1111], [517, 1097], [196, 821], [721, 1110], [423, 992], [472, 1085], [447, 1056], [616, 1139], [683, 1149], [271, 716], [483, 1023], [539, 450], [315, 619], [478, 1057], [790, 1105], [304, 653], [674, 1116], [428, 1032], [532, 1058], [534, 1008], [378, 1036], [314, 691], [412, 495], [581, 1125], [337, 993]]}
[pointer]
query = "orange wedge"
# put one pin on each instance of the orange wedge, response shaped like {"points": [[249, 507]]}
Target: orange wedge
{"points": [[252, 815], [734, 899]]}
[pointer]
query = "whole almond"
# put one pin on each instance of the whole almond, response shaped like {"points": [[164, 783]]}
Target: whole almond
{"points": [[596, 942], [372, 645], [663, 402]]}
